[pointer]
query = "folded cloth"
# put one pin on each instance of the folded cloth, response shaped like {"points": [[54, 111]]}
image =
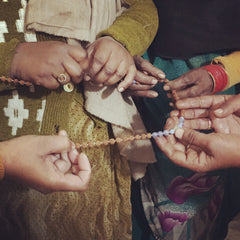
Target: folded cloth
{"points": [[81, 21], [119, 110], [78, 19]]}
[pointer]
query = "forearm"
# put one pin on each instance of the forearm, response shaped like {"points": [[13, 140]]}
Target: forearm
{"points": [[135, 29]]}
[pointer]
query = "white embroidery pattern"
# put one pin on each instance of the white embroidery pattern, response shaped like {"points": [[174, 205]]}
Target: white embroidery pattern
{"points": [[16, 112], [40, 113], [29, 36], [3, 28]]}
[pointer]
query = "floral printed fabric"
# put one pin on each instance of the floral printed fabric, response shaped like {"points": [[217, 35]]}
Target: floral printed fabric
{"points": [[178, 204]]}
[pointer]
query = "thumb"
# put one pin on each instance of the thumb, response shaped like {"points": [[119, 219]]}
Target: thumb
{"points": [[57, 144], [192, 137], [229, 107]]}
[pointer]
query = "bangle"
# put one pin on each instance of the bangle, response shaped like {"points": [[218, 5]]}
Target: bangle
{"points": [[218, 75], [2, 170]]}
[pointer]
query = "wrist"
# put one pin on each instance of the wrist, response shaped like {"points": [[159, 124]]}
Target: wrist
{"points": [[218, 75]]}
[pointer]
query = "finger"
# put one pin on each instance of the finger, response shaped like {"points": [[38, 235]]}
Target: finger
{"points": [[170, 151], [198, 124], [62, 133], [97, 62], [128, 79], [118, 74], [191, 91], [141, 87], [73, 69], [145, 79], [77, 53], [55, 144], [230, 106], [107, 72], [63, 164], [196, 102], [142, 93], [50, 82], [146, 66], [178, 84], [193, 137], [195, 113]]}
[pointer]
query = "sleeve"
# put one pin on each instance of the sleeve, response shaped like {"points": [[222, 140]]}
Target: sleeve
{"points": [[136, 27], [231, 65], [7, 51]]}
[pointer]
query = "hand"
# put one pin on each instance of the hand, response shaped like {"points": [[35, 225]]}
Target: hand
{"points": [[198, 151], [46, 163], [110, 62], [147, 77], [196, 82], [220, 112], [42, 62]]}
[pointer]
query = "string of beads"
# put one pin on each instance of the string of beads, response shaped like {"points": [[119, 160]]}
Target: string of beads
{"points": [[131, 138], [112, 140]]}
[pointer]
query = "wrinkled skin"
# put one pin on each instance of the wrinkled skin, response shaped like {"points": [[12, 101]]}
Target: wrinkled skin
{"points": [[196, 82], [41, 63], [199, 151], [46, 163]]}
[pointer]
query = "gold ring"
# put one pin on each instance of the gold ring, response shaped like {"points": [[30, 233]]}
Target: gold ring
{"points": [[62, 78]]}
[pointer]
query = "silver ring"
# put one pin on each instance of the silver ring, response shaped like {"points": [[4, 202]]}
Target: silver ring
{"points": [[62, 78]]}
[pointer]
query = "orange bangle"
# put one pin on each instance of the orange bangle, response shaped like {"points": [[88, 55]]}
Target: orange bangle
{"points": [[2, 170]]}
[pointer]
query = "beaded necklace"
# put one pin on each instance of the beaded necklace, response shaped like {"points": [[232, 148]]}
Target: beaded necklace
{"points": [[110, 141]]}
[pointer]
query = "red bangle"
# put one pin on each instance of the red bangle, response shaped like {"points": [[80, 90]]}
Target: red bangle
{"points": [[218, 75]]}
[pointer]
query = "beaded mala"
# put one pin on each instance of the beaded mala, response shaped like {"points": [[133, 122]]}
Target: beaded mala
{"points": [[111, 141], [132, 138]]}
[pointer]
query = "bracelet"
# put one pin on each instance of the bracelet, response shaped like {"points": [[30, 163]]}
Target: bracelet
{"points": [[2, 170], [218, 75]]}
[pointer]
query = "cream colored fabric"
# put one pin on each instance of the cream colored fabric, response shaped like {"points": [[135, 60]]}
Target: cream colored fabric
{"points": [[111, 106], [106, 103], [78, 19]]}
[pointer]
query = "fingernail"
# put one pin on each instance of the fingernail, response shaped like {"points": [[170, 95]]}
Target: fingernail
{"points": [[218, 111], [179, 133], [154, 81], [121, 89], [154, 94], [161, 75], [166, 88], [87, 78]]}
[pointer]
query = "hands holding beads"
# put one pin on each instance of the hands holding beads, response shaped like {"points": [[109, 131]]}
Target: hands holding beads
{"points": [[146, 78], [42, 62], [196, 82], [46, 163], [199, 151]]}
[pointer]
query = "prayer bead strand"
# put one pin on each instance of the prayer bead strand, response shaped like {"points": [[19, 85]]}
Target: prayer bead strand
{"points": [[143, 136], [112, 140], [15, 81]]}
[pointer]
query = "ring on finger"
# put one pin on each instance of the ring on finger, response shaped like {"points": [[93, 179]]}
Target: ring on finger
{"points": [[62, 78]]}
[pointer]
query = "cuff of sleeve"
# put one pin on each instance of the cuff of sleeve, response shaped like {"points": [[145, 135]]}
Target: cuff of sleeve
{"points": [[230, 64], [7, 52], [2, 170], [219, 76]]}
